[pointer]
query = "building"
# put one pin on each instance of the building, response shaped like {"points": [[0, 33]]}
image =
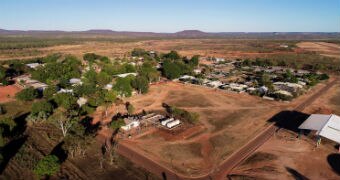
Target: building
{"points": [[65, 91], [126, 74], [81, 101], [75, 81], [327, 126], [197, 71], [26, 81], [33, 65], [214, 84], [108, 86], [287, 86], [130, 123]]}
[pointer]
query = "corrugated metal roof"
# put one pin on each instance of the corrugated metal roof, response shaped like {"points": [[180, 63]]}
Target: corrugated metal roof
{"points": [[327, 126]]}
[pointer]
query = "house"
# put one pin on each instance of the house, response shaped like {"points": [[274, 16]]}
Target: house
{"points": [[81, 101], [75, 81], [327, 126], [236, 87], [284, 46], [126, 74], [287, 86], [218, 60], [214, 84], [173, 123], [65, 91], [301, 72], [263, 90], [186, 78], [130, 123], [26, 81], [33, 65], [284, 93], [108, 86], [197, 71]]}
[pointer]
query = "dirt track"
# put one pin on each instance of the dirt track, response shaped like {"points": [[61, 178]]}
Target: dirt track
{"points": [[227, 165]]}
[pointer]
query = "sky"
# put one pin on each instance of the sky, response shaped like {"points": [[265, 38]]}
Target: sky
{"points": [[172, 15]]}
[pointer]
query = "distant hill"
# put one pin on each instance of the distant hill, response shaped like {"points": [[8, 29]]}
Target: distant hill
{"points": [[180, 34]]}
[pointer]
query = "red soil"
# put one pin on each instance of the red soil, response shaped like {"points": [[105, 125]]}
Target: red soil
{"points": [[7, 93]]}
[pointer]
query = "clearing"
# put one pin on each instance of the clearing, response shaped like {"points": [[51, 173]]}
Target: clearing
{"points": [[324, 48]]}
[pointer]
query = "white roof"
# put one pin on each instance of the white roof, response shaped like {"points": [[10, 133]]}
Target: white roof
{"points": [[327, 126], [126, 74]]}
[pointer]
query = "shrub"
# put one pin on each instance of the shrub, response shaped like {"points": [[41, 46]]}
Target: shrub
{"points": [[47, 166], [28, 94], [117, 123], [42, 106]]}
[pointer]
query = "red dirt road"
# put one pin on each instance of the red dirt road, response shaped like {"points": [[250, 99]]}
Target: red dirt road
{"points": [[223, 169]]}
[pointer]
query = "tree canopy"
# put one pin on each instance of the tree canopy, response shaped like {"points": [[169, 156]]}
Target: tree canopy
{"points": [[47, 166], [42, 106], [27, 94], [58, 71]]}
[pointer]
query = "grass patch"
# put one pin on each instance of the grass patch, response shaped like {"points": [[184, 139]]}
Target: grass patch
{"points": [[16, 108]]}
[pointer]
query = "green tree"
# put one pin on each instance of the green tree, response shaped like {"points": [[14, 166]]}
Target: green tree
{"points": [[150, 72], [50, 91], [55, 72], [27, 94], [103, 78], [65, 119], [141, 84], [65, 100], [171, 70], [173, 55], [47, 166], [91, 57], [109, 98], [130, 109], [104, 59], [42, 106], [123, 86], [266, 80], [116, 124], [289, 77], [85, 89], [194, 61], [138, 52]]}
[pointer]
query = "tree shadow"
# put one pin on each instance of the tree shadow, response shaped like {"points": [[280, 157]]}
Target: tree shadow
{"points": [[21, 124], [17, 140], [9, 151], [296, 174], [290, 120], [89, 127], [60, 152], [334, 162]]}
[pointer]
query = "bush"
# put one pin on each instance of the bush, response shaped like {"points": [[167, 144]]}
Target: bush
{"points": [[42, 106], [115, 124], [48, 166], [28, 94], [49, 92], [323, 77], [190, 117]]}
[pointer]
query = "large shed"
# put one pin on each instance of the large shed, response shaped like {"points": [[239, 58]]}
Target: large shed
{"points": [[327, 126]]}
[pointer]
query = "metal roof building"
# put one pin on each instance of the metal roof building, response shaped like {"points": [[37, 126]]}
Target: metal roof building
{"points": [[327, 126]]}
